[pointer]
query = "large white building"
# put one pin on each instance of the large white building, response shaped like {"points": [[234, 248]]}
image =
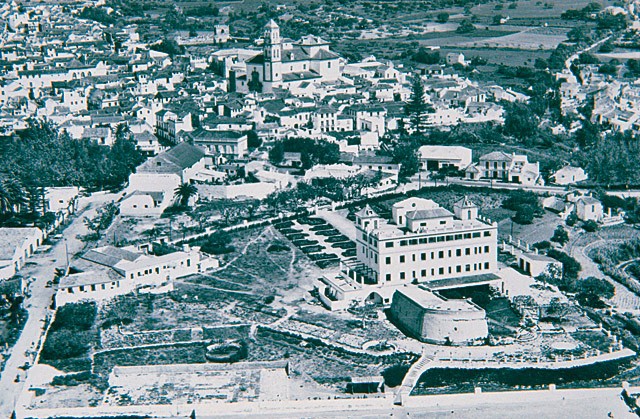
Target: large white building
{"points": [[425, 243], [287, 64]]}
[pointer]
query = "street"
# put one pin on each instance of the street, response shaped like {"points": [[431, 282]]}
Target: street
{"points": [[38, 305]]}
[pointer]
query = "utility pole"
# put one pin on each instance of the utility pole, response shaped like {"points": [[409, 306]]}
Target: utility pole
{"points": [[66, 252]]}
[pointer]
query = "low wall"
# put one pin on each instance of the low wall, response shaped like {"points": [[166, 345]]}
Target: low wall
{"points": [[246, 190]]}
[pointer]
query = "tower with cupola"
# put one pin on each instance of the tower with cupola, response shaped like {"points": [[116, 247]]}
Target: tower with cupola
{"points": [[272, 53]]}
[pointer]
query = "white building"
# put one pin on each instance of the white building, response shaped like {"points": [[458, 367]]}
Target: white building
{"points": [[16, 246], [284, 63], [569, 175], [589, 209], [425, 243], [152, 187], [109, 271], [505, 167], [434, 157]]}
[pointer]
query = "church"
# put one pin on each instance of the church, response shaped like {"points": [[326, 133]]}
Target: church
{"points": [[285, 64]]}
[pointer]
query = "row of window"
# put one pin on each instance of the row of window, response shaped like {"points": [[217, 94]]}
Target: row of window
{"points": [[477, 250], [93, 287], [436, 239], [441, 271]]}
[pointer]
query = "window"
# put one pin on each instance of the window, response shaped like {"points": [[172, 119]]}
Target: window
{"points": [[388, 260], [476, 235], [423, 256], [413, 242], [423, 241], [440, 238], [388, 277], [82, 288], [93, 287], [388, 244], [458, 252], [402, 275], [432, 239], [486, 265], [103, 286], [467, 268], [433, 255], [423, 273], [441, 254], [364, 236], [467, 235], [413, 258], [449, 253], [459, 268], [441, 271], [486, 249], [467, 251], [487, 234], [403, 242], [402, 259]]}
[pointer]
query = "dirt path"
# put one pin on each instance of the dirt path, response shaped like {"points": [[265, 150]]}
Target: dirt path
{"points": [[624, 299]]}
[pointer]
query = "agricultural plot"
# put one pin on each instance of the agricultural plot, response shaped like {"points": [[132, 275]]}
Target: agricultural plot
{"points": [[529, 39]]}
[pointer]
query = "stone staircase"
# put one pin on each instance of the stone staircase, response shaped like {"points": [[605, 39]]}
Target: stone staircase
{"points": [[410, 380]]}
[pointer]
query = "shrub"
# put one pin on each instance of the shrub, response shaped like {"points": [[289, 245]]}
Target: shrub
{"points": [[524, 215], [570, 267], [560, 235], [590, 226], [543, 245], [277, 247]]}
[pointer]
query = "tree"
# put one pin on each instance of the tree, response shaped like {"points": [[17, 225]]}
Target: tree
{"points": [[184, 192], [363, 310], [417, 107], [590, 226], [591, 290], [103, 219], [551, 275], [560, 235], [557, 310], [405, 153], [579, 34], [465, 27], [524, 215], [519, 121], [442, 17], [497, 19]]}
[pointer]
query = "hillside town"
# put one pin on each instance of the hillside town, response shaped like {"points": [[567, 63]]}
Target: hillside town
{"points": [[222, 219]]}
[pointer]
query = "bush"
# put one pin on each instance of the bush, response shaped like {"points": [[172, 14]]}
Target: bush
{"points": [[590, 226], [570, 267], [524, 215], [560, 235], [75, 316], [543, 245], [276, 247]]}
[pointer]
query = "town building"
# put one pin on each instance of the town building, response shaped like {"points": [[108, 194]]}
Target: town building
{"points": [[505, 167], [108, 271], [16, 246], [589, 208], [435, 157], [569, 175], [284, 63], [152, 187], [425, 243]]}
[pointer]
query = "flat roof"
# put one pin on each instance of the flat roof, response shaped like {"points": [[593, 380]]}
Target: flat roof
{"points": [[459, 282]]}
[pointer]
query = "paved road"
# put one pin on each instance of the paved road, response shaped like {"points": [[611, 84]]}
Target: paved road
{"points": [[597, 403], [38, 305]]}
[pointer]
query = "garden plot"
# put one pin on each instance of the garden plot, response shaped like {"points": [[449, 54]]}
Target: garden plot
{"points": [[530, 39]]}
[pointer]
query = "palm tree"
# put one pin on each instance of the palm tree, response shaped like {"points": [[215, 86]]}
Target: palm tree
{"points": [[184, 192], [12, 196]]}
